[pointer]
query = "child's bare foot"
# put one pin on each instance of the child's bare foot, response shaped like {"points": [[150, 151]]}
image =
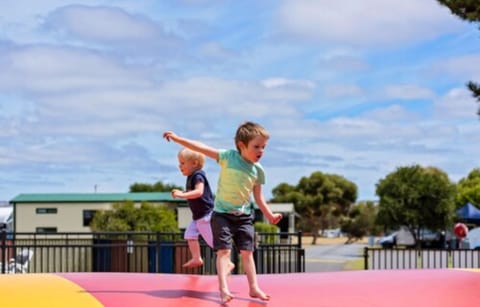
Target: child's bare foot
{"points": [[259, 294], [231, 266], [193, 263], [225, 297]]}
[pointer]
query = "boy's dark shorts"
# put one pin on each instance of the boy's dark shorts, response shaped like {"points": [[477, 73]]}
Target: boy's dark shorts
{"points": [[227, 227]]}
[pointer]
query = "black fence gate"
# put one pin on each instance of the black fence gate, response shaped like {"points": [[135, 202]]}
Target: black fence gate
{"points": [[412, 258], [149, 252]]}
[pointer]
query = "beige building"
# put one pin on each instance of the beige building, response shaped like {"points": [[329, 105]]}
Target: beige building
{"points": [[287, 224], [72, 212]]}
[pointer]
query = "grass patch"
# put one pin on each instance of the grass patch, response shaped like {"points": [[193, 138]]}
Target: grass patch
{"points": [[307, 240], [354, 265]]}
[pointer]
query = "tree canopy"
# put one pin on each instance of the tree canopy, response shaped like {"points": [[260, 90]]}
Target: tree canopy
{"points": [[319, 199], [416, 197], [156, 187], [125, 216], [468, 189], [360, 221], [468, 10]]}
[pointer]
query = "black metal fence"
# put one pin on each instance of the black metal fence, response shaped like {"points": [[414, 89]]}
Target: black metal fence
{"points": [[411, 258], [136, 252]]}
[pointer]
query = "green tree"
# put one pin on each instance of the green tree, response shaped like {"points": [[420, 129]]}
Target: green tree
{"points": [[156, 187], [320, 200], [416, 197], [468, 10], [266, 229], [468, 189], [360, 221], [125, 216]]}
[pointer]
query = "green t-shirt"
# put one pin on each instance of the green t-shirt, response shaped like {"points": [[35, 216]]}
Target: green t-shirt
{"points": [[235, 182]]}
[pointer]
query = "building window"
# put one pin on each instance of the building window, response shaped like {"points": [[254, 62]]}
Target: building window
{"points": [[46, 210], [88, 217], [46, 229]]}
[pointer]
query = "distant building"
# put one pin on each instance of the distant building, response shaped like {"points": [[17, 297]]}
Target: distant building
{"points": [[73, 212], [287, 224]]}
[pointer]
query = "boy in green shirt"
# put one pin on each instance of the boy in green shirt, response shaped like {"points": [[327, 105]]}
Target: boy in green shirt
{"points": [[240, 176]]}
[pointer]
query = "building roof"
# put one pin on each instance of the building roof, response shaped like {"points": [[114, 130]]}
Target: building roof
{"points": [[94, 197], [282, 207]]}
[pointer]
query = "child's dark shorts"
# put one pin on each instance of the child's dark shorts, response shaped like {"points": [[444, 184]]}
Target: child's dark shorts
{"points": [[227, 227]]}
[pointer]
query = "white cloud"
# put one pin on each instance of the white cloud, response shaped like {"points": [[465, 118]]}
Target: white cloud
{"points": [[343, 62], [71, 89], [51, 70], [456, 104], [460, 67], [379, 23], [280, 82], [216, 51], [408, 92], [86, 102], [391, 113], [343, 90], [104, 24]]}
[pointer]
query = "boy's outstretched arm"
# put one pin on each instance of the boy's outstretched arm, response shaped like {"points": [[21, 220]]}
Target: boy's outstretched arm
{"points": [[192, 144], [273, 218]]}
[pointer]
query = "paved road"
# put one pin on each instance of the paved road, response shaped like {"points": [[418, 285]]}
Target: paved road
{"points": [[331, 257]]}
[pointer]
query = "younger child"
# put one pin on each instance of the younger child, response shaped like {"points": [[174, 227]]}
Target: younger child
{"points": [[240, 176], [200, 200]]}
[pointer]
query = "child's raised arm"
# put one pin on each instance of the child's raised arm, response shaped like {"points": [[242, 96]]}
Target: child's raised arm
{"points": [[192, 144]]}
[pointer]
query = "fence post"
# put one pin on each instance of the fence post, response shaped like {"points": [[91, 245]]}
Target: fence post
{"points": [[299, 239], [3, 258], [365, 258], [300, 254], [158, 259]]}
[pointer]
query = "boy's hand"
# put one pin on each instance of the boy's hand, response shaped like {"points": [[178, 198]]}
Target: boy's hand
{"points": [[169, 135], [276, 217]]}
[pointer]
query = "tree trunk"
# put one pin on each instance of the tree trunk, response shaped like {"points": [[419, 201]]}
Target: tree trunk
{"points": [[314, 237]]}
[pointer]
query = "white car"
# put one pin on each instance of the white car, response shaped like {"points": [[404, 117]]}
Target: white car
{"points": [[401, 237]]}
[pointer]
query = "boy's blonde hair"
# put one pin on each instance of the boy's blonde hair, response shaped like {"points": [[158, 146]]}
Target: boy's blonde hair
{"points": [[248, 131], [192, 156]]}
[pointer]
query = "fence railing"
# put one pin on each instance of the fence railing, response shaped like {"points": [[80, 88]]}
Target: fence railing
{"points": [[152, 252], [411, 258]]}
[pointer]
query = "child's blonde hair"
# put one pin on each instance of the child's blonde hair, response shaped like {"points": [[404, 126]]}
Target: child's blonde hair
{"points": [[192, 156], [248, 131]]}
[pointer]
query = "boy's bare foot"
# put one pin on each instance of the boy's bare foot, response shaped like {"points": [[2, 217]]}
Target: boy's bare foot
{"points": [[225, 297], [231, 266], [259, 294], [192, 263]]}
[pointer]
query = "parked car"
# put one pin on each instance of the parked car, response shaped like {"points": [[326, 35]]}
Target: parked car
{"points": [[388, 241], [332, 233], [434, 239], [401, 237], [427, 238]]}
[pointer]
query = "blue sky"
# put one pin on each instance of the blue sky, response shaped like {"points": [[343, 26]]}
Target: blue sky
{"points": [[354, 88]]}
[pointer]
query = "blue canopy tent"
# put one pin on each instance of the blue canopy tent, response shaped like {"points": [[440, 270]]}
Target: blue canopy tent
{"points": [[469, 214]]}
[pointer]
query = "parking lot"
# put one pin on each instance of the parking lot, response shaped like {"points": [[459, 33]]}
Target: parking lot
{"points": [[331, 254]]}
